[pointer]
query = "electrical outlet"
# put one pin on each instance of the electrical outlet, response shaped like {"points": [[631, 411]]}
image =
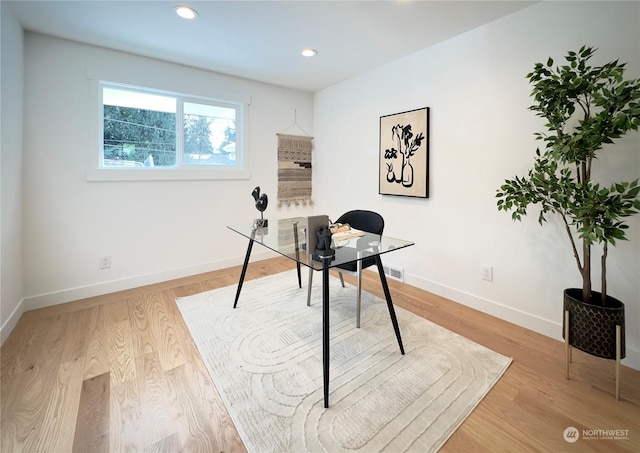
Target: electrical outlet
{"points": [[487, 273], [104, 262]]}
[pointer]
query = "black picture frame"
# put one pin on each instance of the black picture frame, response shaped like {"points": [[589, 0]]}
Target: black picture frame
{"points": [[404, 154]]}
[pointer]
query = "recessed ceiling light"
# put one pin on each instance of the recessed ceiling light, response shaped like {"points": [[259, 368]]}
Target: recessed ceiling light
{"points": [[186, 12], [309, 52]]}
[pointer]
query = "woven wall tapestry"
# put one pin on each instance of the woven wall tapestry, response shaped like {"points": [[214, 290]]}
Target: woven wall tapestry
{"points": [[294, 169]]}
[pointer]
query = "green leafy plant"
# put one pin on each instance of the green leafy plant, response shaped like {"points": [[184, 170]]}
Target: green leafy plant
{"points": [[586, 108]]}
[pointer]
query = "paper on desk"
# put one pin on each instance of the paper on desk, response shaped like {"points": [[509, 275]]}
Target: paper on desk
{"points": [[344, 235]]}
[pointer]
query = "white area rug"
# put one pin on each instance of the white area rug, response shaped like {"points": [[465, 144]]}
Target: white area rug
{"points": [[265, 358]]}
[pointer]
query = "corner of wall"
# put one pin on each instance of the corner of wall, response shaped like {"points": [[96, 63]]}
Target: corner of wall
{"points": [[11, 322], [12, 107]]}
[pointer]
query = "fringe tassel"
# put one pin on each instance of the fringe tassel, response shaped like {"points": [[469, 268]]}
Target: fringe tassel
{"points": [[297, 202]]}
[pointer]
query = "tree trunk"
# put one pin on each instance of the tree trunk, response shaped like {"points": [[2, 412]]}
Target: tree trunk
{"points": [[585, 176], [586, 271], [603, 285]]}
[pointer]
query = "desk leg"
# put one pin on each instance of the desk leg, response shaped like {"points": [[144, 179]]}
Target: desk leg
{"points": [[325, 332], [244, 271], [387, 295], [295, 237]]}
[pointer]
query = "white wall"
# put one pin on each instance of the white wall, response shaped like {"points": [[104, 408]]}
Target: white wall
{"points": [[153, 230], [11, 67], [481, 133]]}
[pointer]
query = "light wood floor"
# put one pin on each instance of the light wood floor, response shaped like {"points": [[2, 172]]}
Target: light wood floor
{"points": [[120, 373]]}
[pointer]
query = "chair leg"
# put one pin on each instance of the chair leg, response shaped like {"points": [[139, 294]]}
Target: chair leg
{"points": [[341, 279], [309, 287]]}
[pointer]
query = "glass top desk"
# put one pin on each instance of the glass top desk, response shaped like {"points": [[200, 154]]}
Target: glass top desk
{"points": [[287, 237]]}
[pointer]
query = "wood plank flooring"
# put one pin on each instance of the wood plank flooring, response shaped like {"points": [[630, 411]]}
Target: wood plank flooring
{"points": [[120, 372]]}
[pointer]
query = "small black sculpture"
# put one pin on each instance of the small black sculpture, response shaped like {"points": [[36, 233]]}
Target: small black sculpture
{"points": [[261, 204], [323, 247], [324, 237]]}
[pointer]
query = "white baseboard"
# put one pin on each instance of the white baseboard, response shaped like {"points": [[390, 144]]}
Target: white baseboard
{"points": [[11, 322], [529, 321], [98, 289]]}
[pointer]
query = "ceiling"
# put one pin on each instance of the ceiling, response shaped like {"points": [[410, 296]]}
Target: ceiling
{"points": [[262, 40]]}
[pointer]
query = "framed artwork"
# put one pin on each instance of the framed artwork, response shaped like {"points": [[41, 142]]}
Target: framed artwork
{"points": [[404, 154]]}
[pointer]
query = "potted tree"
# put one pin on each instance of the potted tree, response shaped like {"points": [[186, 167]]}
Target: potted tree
{"points": [[586, 108]]}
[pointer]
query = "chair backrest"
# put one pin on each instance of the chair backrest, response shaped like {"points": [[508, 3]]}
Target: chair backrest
{"points": [[368, 221]]}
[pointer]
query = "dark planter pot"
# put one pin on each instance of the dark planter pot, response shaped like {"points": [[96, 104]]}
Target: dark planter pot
{"points": [[592, 326]]}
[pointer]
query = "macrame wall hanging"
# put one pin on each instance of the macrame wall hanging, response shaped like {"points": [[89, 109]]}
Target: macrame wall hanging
{"points": [[294, 169]]}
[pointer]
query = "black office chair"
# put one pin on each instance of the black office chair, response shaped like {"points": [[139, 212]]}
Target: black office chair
{"points": [[368, 221]]}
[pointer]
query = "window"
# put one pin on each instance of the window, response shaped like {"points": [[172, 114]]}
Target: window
{"points": [[144, 130]]}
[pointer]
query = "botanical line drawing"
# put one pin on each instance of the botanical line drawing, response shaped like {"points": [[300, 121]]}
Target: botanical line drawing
{"points": [[403, 156], [406, 146]]}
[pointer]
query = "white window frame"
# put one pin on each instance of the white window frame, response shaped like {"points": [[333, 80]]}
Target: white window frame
{"points": [[97, 172]]}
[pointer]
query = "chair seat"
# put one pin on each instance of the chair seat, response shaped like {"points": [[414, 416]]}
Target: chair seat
{"points": [[353, 265]]}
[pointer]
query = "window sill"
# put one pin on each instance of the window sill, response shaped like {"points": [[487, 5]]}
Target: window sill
{"points": [[166, 174]]}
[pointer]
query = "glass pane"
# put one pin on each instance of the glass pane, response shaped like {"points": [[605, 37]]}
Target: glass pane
{"points": [[209, 134], [139, 129]]}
